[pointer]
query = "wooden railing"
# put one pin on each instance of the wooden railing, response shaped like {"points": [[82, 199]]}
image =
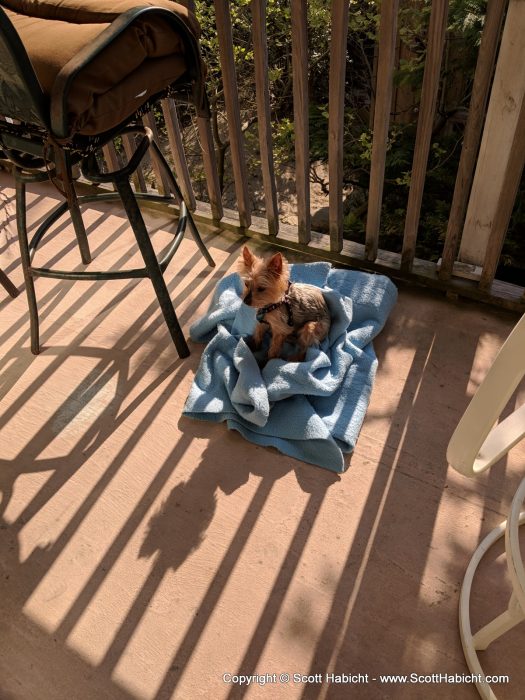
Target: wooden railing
{"points": [[472, 274]]}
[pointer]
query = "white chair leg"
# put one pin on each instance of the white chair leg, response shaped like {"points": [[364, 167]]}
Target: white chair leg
{"points": [[515, 612], [501, 624], [465, 630], [512, 546], [480, 440]]}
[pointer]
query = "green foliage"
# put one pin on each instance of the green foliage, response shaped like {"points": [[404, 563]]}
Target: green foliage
{"points": [[283, 140]]}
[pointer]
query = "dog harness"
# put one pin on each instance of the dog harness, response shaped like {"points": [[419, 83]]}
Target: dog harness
{"points": [[263, 310]]}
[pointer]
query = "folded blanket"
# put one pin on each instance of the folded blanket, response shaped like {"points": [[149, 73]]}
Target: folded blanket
{"points": [[311, 410]]}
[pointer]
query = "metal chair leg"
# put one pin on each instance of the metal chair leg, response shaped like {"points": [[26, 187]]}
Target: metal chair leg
{"points": [[8, 285], [198, 240], [152, 266], [176, 191], [26, 264]]}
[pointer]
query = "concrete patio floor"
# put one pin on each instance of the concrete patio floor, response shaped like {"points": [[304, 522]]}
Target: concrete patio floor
{"points": [[144, 555]]}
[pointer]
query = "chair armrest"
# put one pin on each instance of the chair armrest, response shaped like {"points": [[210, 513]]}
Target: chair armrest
{"points": [[476, 444]]}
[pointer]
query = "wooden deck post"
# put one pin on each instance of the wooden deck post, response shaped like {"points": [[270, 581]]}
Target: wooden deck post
{"points": [[505, 205], [497, 151], [473, 128]]}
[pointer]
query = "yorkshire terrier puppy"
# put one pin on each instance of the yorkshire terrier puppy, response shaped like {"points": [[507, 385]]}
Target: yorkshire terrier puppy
{"points": [[293, 312]]}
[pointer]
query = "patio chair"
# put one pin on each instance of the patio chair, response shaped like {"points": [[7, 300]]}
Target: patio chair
{"points": [[475, 446], [74, 75]]}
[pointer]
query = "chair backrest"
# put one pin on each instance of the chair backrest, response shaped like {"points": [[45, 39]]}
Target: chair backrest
{"points": [[21, 96], [476, 444]]}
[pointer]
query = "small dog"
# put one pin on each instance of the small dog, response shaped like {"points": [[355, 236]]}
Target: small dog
{"points": [[294, 312]]}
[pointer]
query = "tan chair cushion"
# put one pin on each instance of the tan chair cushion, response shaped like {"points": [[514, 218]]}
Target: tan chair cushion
{"points": [[94, 11], [140, 62]]}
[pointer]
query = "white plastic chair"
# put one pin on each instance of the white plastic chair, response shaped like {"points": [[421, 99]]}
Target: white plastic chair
{"points": [[476, 445]]}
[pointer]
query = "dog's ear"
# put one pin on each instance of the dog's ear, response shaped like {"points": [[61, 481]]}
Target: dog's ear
{"points": [[247, 258], [275, 264]]}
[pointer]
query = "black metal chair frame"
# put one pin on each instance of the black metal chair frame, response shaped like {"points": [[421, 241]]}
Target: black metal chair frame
{"points": [[38, 152]]}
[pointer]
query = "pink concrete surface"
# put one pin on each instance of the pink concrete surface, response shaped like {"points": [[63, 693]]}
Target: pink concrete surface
{"points": [[144, 555]]}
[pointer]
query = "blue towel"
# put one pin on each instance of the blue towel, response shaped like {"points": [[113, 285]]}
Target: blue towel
{"points": [[311, 410]]}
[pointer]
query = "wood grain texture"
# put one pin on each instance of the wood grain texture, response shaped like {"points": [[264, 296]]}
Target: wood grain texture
{"points": [[505, 205], [501, 124], [300, 107], [110, 156], [473, 129], [262, 88], [169, 110], [383, 100], [427, 111], [210, 167], [336, 101], [163, 185], [231, 98], [138, 179]]}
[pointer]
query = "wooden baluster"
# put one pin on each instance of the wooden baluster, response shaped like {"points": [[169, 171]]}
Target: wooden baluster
{"points": [[336, 100], [383, 100], [163, 185], [210, 168], [231, 98], [169, 110], [137, 178], [300, 107], [262, 88], [427, 110], [110, 156]]}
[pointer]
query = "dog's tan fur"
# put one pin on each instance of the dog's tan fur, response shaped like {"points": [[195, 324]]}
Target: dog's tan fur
{"points": [[266, 282]]}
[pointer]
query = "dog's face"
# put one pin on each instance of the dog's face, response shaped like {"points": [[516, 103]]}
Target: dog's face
{"points": [[265, 280]]}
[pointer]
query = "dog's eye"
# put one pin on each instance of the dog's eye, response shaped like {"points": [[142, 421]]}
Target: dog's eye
{"points": [[245, 283], [261, 289]]}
